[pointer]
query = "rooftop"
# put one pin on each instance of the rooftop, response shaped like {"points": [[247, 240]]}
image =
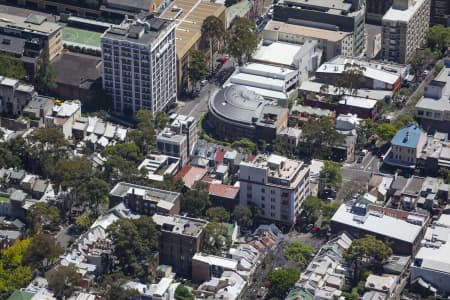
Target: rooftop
{"points": [[277, 166], [34, 23], [402, 15], [77, 69], [378, 223], [189, 16], [306, 31], [223, 190], [407, 136], [123, 188], [442, 103], [190, 175], [331, 6], [180, 225], [271, 53], [212, 260]]}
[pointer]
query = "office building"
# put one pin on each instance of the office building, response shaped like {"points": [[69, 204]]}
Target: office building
{"points": [[404, 29], [440, 12], [15, 96], [88, 9], [376, 9], [334, 15], [139, 64], [276, 185], [181, 237], [145, 200], [236, 112], [331, 42], [433, 109], [36, 33], [187, 126]]}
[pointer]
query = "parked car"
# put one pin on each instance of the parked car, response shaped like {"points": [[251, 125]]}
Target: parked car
{"points": [[309, 227], [314, 229]]}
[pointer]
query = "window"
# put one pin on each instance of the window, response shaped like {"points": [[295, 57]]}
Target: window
{"points": [[263, 190], [272, 207]]}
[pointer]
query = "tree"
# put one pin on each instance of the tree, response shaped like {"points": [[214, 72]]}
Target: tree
{"points": [[43, 249], [71, 172], [134, 241], [330, 175], [94, 191], [299, 253], [64, 280], [42, 215], [245, 145], [243, 215], [213, 30], [402, 121], [128, 151], [195, 202], [198, 67], [350, 79], [183, 293], [144, 136], [319, 136], [241, 39], [421, 60], [367, 250], [218, 214], [13, 256], [281, 281], [45, 78], [365, 131], [161, 120], [444, 173], [311, 209], [12, 67], [215, 238], [84, 221], [351, 188], [48, 140], [386, 131], [438, 38]]}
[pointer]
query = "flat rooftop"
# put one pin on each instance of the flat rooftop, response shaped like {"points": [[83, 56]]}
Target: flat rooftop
{"points": [[189, 16], [443, 103], [379, 224], [212, 260], [271, 53], [329, 6], [180, 225], [123, 188], [306, 31], [277, 166], [34, 23], [402, 15]]}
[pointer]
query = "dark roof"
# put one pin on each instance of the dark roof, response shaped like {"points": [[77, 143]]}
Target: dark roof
{"points": [[131, 4], [12, 44], [77, 69]]}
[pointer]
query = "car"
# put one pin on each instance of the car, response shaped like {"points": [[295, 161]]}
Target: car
{"points": [[204, 82], [360, 159], [315, 229], [426, 72], [309, 227]]}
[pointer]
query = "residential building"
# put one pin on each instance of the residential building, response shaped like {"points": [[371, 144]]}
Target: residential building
{"points": [[181, 124], [300, 114], [440, 12], [123, 8], [338, 15], [159, 165], [139, 64], [236, 112], [191, 175], [63, 117], [430, 269], [222, 195], [376, 9], [404, 28], [276, 185], [38, 108], [433, 109], [404, 230], [39, 34], [407, 145], [181, 238], [15, 96], [386, 284], [145, 200], [88, 9], [188, 15], [332, 42], [327, 272], [290, 138], [228, 286], [205, 266], [164, 289]]}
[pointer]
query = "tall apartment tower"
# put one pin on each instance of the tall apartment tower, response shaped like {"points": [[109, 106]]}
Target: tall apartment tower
{"points": [[440, 12], [276, 185], [139, 64], [404, 29]]}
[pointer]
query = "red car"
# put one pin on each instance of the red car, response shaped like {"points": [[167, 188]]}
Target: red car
{"points": [[315, 229]]}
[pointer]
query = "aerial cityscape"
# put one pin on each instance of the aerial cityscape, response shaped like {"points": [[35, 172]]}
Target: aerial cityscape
{"points": [[224, 149]]}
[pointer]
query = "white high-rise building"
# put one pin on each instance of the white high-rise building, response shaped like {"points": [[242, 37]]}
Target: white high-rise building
{"points": [[275, 184], [139, 64]]}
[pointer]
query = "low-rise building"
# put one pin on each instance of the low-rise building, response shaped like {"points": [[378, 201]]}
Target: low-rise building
{"points": [[275, 184], [290, 138], [228, 286], [190, 175], [403, 229], [181, 238], [145, 200], [433, 109], [64, 116], [15, 96], [222, 195], [159, 165]]}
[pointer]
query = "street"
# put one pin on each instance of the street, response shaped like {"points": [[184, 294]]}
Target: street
{"points": [[361, 171], [198, 106]]}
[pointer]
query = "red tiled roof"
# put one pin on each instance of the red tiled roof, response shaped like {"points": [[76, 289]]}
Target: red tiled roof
{"points": [[191, 175], [223, 190], [219, 156]]}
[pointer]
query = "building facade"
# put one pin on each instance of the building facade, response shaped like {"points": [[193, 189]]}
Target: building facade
{"points": [[14, 96], [440, 12], [139, 64], [376, 9], [276, 185], [407, 146], [404, 29], [338, 15]]}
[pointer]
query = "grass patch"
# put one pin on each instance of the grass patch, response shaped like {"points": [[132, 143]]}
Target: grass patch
{"points": [[81, 36], [4, 199]]}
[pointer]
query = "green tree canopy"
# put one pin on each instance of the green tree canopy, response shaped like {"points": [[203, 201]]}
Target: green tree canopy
{"points": [[135, 241], [64, 280], [215, 238], [144, 136], [128, 151], [241, 39], [438, 37], [299, 253], [245, 145], [195, 202], [71, 172], [281, 281], [45, 78], [183, 293], [42, 215], [213, 30], [386, 131], [12, 67], [13, 256], [330, 175], [198, 67], [243, 215], [95, 192], [42, 250], [319, 136], [312, 207], [350, 79], [218, 214]]}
